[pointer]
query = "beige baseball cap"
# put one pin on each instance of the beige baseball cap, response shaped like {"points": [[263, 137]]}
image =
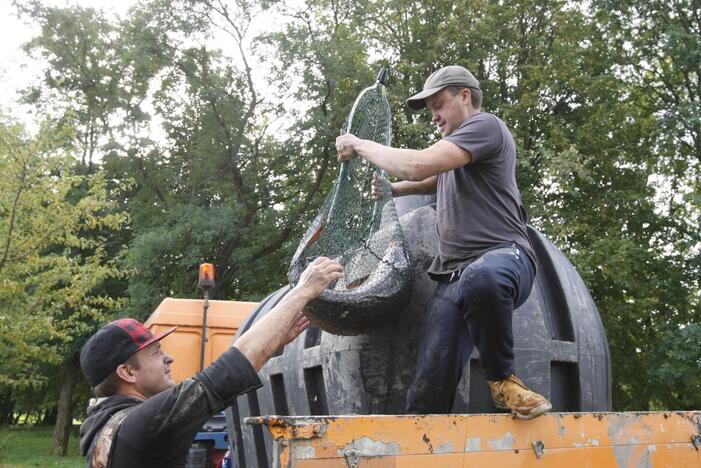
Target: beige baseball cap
{"points": [[452, 75]]}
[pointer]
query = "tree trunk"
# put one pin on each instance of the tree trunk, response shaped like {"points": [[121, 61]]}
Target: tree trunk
{"points": [[64, 418], [7, 407], [47, 417]]}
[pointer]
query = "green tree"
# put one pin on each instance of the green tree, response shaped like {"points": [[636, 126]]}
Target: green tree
{"points": [[220, 186], [659, 46], [226, 189], [84, 68], [52, 269]]}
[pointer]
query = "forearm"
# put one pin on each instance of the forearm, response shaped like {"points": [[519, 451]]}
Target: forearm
{"points": [[405, 187], [266, 336], [404, 163], [407, 164]]}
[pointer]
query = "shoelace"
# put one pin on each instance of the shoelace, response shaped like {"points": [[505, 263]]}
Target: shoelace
{"points": [[512, 379]]}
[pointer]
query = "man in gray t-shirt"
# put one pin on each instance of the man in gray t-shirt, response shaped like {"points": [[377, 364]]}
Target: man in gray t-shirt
{"points": [[485, 265], [479, 205]]}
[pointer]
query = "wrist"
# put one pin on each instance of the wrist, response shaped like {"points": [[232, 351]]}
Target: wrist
{"points": [[394, 189], [399, 189], [300, 293], [361, 148]]}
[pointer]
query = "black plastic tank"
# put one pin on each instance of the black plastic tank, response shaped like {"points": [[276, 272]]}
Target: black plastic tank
{"points": [[560, 351]]}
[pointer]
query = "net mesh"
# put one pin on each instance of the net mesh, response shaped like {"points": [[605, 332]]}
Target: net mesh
{"points": [[360, 232]]}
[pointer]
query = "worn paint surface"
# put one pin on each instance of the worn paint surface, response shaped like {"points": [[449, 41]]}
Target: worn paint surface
{"points": [[505, 442], [303, 451], [598, 440], [473, 444], [369, 447], [445, 448]]}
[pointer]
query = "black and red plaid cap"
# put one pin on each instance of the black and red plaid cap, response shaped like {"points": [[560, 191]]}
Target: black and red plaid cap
{"points": [[113, 345]]}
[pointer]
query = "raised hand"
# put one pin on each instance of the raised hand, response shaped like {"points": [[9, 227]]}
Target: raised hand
{"points": [[380, 186], [318, 275], [345, 147], [298, 327]]}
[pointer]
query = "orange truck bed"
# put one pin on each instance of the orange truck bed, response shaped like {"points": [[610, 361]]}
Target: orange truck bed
{"points": [[556, 440], [223, 320]]}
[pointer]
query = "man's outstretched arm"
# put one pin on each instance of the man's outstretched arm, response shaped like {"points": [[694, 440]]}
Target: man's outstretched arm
{"points": [[381, 185], [286, 320], [408, 164], [422, 187]]}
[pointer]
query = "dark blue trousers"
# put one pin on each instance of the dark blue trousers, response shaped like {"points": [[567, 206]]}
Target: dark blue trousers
{"points": [[474, 310]]}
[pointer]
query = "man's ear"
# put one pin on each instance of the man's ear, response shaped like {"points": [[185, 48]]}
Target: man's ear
{"points": [[466, 95], [125, 373]]}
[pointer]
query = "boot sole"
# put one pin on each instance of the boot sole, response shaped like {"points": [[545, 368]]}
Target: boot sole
{"points": [[535, 412]]}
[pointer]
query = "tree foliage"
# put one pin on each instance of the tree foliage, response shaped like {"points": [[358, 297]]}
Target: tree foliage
{"points": [[54, 261]]}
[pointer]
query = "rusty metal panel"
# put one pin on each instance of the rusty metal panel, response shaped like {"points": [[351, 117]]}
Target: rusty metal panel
{"points": [[596, 440]]}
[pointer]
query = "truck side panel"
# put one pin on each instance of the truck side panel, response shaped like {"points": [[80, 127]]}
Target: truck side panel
{"points": [[597, 440]]}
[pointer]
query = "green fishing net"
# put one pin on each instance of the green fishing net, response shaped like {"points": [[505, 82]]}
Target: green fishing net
{"points": [[360, 232]]}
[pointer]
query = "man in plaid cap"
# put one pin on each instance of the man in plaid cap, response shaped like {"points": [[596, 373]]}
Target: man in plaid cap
{"points": [[485, 265], [141, 418]]}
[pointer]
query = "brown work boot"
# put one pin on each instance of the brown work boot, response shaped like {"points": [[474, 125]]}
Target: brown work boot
{"points": [[512, 394]]}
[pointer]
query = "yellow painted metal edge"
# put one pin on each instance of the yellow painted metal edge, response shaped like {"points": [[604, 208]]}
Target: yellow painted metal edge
{"points": [[613, 439]]}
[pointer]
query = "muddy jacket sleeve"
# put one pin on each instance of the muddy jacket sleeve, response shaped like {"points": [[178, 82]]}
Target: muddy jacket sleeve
{"points": [[168, 422]]}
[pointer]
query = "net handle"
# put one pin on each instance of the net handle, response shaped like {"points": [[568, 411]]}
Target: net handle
{"points": [[381, 81]]}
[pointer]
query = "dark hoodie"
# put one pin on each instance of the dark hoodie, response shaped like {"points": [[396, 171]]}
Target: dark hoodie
{"points": [[159, 432]]}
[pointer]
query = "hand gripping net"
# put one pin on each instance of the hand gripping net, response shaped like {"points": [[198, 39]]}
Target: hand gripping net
{"points": [[361, 233]]}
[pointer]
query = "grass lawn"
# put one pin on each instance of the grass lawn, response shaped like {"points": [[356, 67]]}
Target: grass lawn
{"points": [[31, 446]]}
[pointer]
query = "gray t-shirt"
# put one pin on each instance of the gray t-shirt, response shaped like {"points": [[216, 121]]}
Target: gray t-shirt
{"points": [[478, 204]]}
